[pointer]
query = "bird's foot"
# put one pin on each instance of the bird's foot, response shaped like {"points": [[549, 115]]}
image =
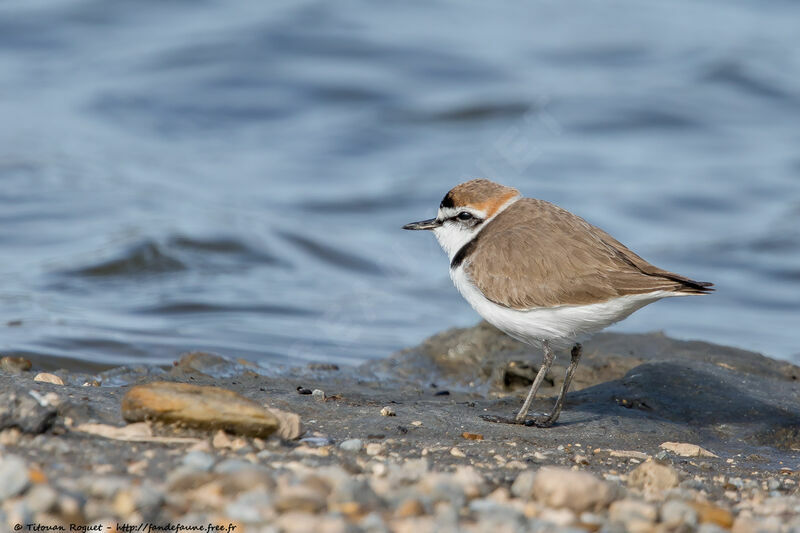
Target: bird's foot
{"points": [[501, 419], [539, 420]]}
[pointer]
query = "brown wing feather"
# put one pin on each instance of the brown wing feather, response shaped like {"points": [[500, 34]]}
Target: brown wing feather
{"points": [[536, 254]]}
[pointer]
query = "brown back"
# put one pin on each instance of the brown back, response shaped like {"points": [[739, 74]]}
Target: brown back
{"points": [[536, 254]]}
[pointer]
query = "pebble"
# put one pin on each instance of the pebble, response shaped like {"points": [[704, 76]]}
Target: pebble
{"points": [[628, 510], [351, 445], [46, 377], [223, 440], [712, 514], [233, 466], [523, 485], [14, 365], [41, 498], [199, 461], [290, 427], [303, 498], [653, 477], [318, 395], [374, 448], [561, 517], [575, 490], [675, 512], [203, 407], [455, 452], [388, 411], [14, 477], [408, 508]]}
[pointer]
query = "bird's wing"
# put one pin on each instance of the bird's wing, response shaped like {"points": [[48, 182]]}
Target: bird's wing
{"points": [[546, 256]]}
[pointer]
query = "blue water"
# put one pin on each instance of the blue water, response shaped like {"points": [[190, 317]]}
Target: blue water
{"points": [[232, 176]]}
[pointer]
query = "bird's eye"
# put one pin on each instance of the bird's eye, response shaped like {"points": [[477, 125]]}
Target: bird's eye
{"points": [[463, 215]]}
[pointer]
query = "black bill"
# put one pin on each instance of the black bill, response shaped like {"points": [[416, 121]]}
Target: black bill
{"points": [[431, 223]]}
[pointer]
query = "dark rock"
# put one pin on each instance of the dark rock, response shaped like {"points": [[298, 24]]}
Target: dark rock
{"points": [[18, 408], [209, 364]]}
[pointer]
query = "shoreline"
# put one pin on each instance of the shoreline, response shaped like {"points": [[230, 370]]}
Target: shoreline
{"points": [[432, 464]]}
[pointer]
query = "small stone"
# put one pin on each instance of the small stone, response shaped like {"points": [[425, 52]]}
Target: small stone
{"points": [[684, 449], [711, 514], [575, 490], [455, 452], [203, 407], [749, 524], [46, 377], [410, 508], [374, 448], [388, 411], [562, 517], [318, 395], [652, 476], [675, 513], [199, 461], [472, 436], [303, 498], [290, 426], [10, 436], [14, 476], [41, 498], [711, 528], [662, 456], [416, 423], [523, 485], [233, 466], [627, 511], [221, 440], [14, 365], [351, 445]]}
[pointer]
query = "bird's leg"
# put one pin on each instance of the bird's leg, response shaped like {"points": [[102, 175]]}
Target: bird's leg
{"points": [[547, 361], [549, 420]]}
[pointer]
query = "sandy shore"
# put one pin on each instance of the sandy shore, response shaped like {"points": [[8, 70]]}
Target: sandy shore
{"points": [[657, 435]]}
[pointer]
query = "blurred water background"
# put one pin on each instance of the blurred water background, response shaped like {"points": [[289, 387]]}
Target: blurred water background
{"points": [[232, 176]]}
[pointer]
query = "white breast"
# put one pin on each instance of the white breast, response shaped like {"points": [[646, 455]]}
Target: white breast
{"points": [[564, 323]]}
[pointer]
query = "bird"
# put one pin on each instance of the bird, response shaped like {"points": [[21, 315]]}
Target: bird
{"points": [[542, 274]]}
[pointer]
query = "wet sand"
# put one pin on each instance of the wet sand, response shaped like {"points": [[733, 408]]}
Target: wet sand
{"points": [[656, 435]]}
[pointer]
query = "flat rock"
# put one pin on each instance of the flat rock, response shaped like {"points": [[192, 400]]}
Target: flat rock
{"points": [[685, 449], [202, 407]]}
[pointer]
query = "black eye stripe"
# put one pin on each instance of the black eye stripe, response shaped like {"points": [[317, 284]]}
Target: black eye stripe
{"points": [[457, 217]]}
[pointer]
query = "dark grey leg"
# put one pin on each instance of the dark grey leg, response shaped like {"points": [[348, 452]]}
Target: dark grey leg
{"points": [[547, 362], [549, 420]]}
